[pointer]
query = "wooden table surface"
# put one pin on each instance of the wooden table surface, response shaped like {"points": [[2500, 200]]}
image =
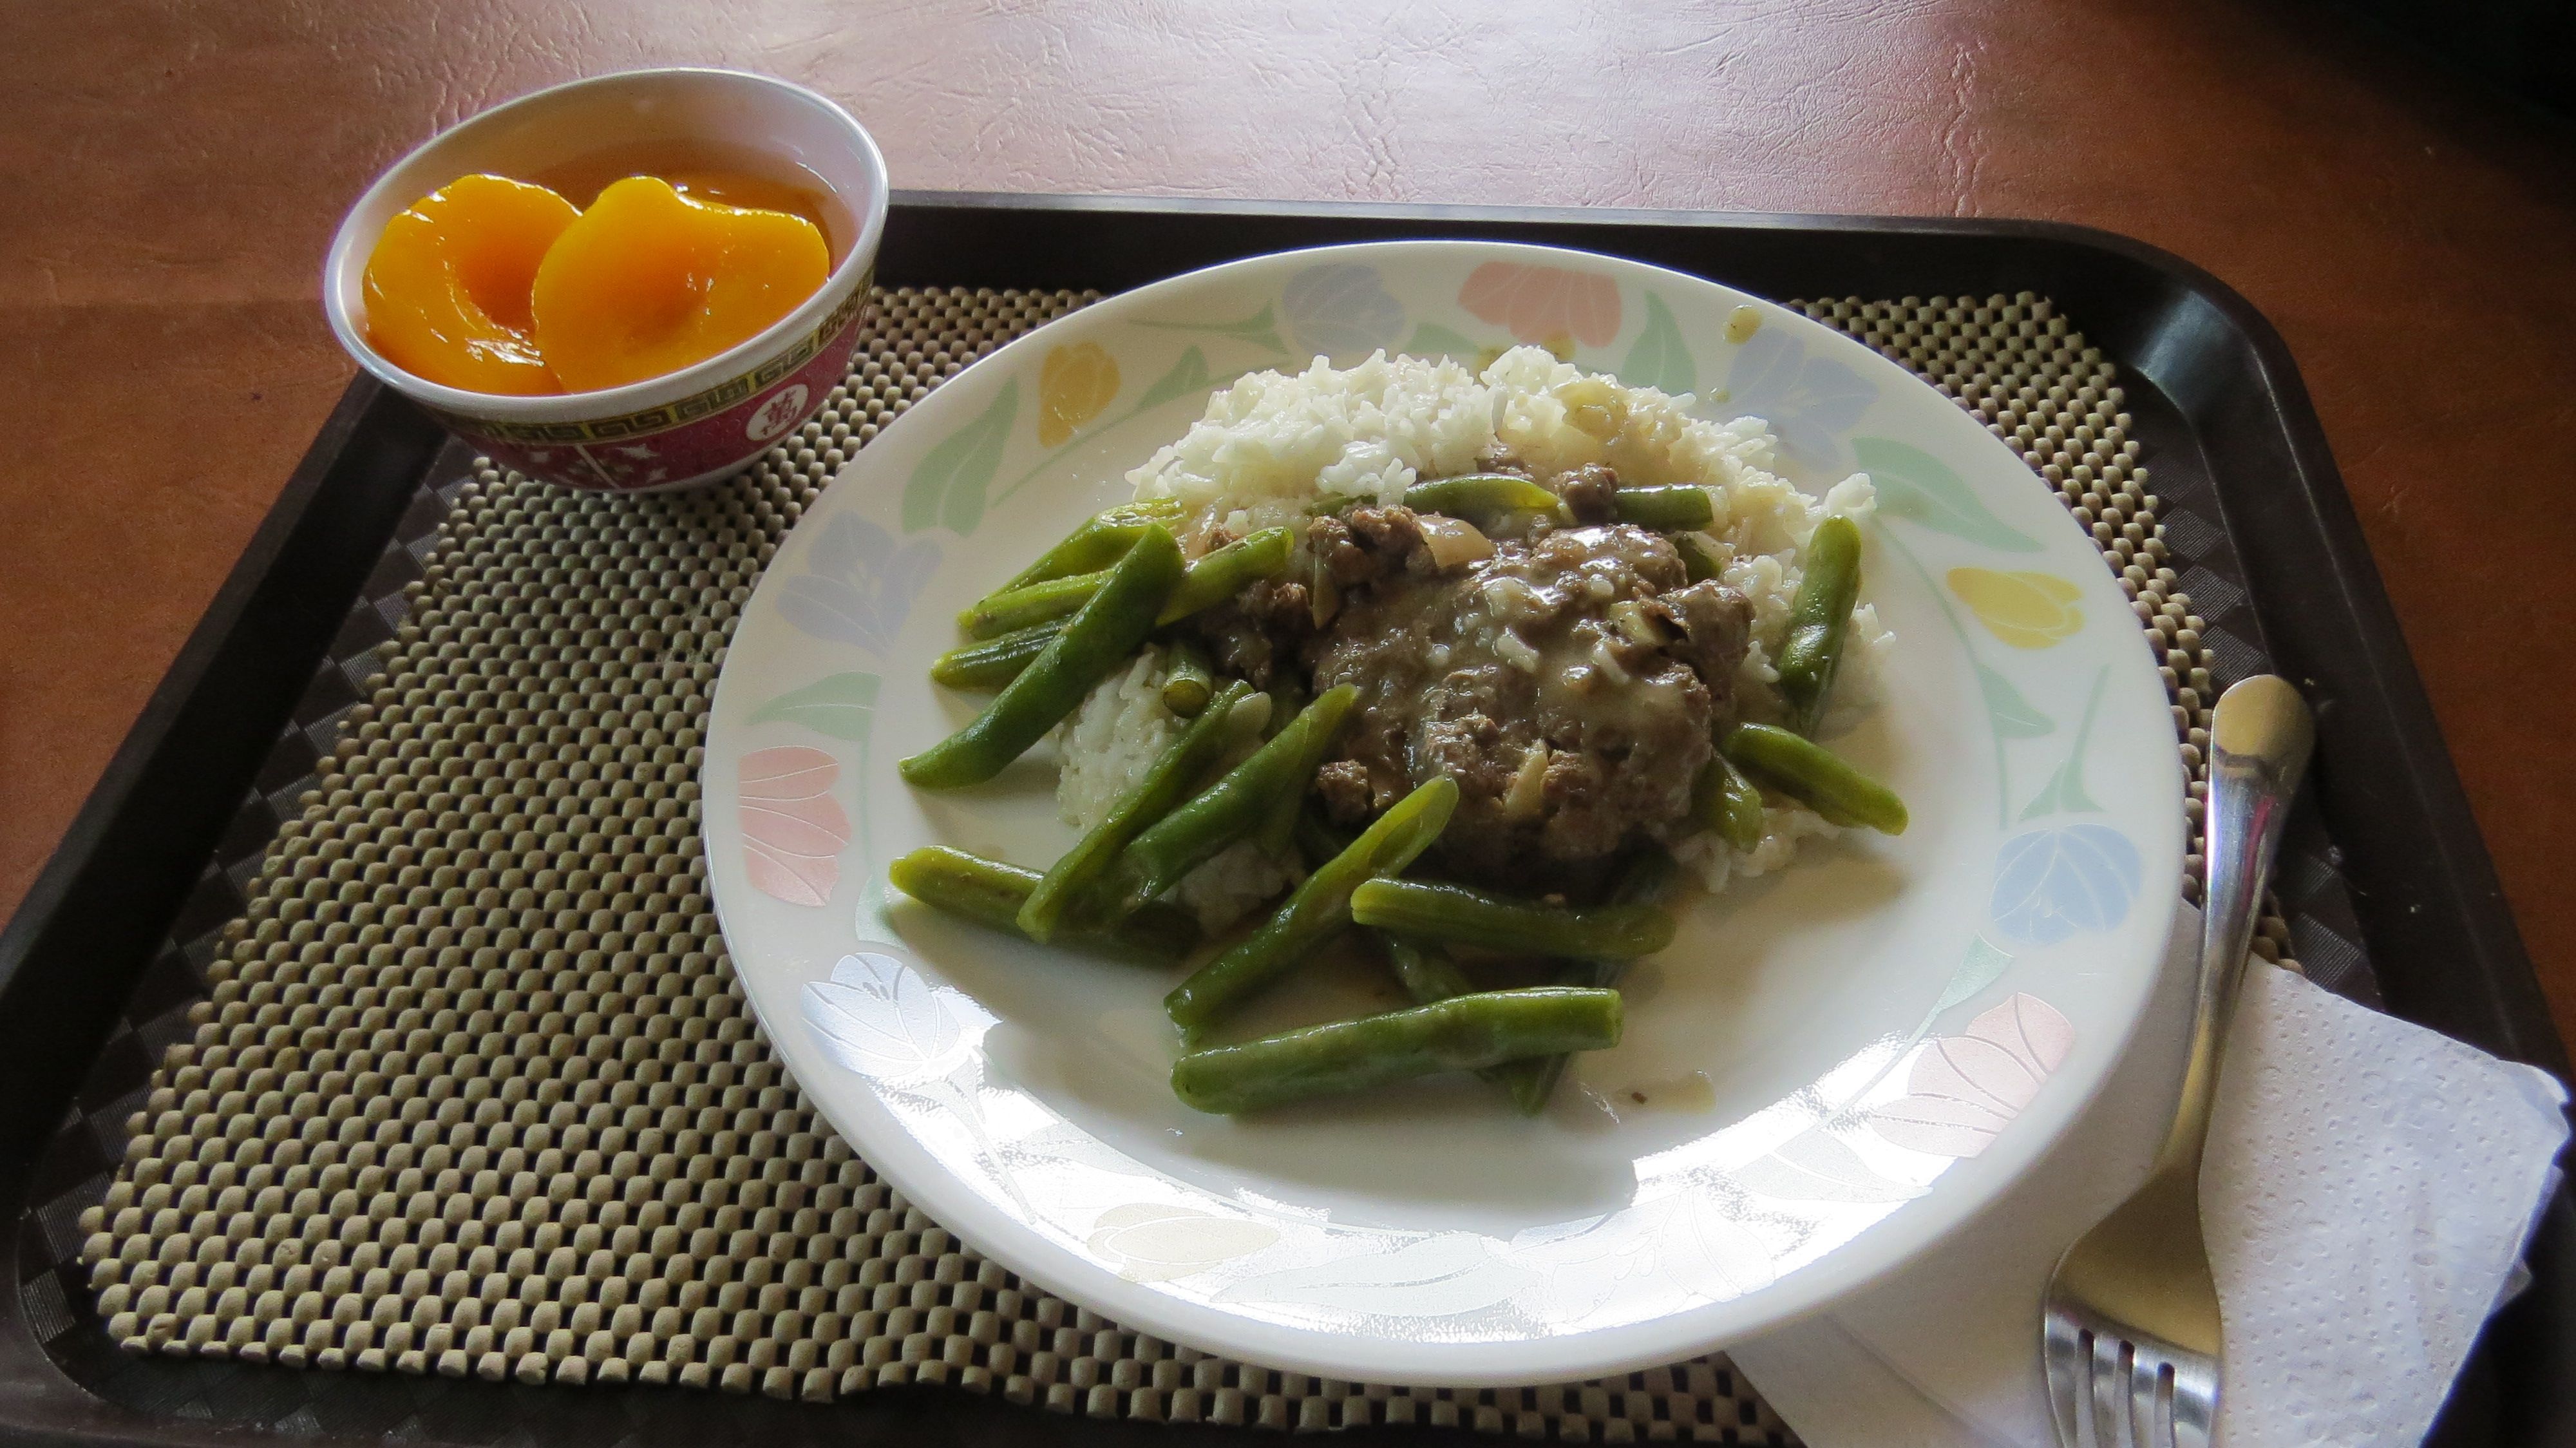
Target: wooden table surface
{"points": [[171, 173]]}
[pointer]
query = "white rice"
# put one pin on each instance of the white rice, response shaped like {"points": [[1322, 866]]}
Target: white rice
{"points": [[1273, 443], [1109, 743]]}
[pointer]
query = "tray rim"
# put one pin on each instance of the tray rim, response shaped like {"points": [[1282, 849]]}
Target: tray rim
{"points": [[2497, 1004]]}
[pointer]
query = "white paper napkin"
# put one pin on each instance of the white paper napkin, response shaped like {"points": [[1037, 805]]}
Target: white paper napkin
{"points": [[2367, 1194]]}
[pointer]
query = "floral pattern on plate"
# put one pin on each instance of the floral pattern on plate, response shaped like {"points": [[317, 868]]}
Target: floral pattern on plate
{"points": [[1340, 311], [1963, 1090], [793, 831], [2025, 609], [1544, 304], [1811, 399], [1075, 385], [858, 584]]}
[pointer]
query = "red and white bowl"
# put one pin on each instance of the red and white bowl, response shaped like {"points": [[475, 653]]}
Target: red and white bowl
{"points": [[692, 426]]}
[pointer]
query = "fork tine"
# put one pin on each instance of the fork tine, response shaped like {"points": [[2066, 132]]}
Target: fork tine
{"points": [[2111, 1425], [2195, 1401], [2066, 1361], [2151, 1401]]}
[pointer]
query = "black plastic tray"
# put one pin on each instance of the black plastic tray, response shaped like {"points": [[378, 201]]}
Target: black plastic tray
{"points": [[2218, 406]]}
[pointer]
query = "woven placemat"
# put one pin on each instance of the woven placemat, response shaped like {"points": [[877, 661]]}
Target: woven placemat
{"points": [[473, 1091]]}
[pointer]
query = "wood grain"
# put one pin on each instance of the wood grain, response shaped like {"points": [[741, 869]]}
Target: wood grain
{"points": [[172, 172]]}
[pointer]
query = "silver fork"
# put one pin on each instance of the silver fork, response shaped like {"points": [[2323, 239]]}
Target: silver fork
{"points": [[2129, 1328]]}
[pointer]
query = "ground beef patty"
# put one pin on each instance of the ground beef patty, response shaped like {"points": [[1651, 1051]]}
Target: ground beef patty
{"points": [[1568, 681]]}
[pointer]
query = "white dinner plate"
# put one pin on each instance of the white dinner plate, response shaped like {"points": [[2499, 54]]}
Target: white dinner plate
{"points": [[1830, 1069]]}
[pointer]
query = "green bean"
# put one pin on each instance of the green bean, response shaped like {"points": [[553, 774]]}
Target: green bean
{"points": [[1166, 783], [1680, 508], [1096, 640], [1013, 609], [1224, 572], [1319, 839], [1481, 495], [1276, 835], [1647, 878], [1099, 542], [1496, 922], [1818, 618], [1188, 684], [985, 667], [1722, 799], [1700, 560], [1317, 910], [991, 893], [1288, 698], [1462, 1033], [1427, 972], [1808, 773], [1208, 582], [1430, 976], [1229, 809]]}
